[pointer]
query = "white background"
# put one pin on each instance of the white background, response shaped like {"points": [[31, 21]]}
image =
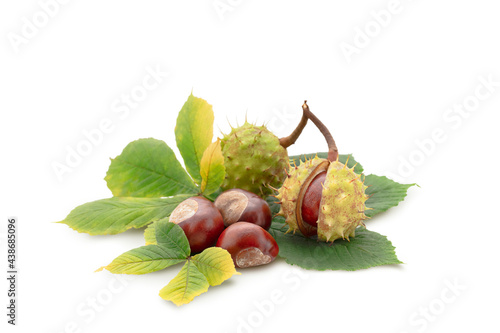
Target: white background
{"points": [[262, 58]]}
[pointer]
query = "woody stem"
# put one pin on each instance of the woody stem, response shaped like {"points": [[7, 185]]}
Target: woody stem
{"points": [[333, 152], [290, 140]]}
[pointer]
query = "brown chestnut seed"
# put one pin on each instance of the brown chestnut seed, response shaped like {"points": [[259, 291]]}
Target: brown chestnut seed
{"points": [[312, 200], [238, 205], [248, 244], [201, 221]]}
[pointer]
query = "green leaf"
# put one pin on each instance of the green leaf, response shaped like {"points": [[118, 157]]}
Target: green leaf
{"points": [[115, 215], [194, 132], [172, 248], [169, 235], [212, 169], [342, 158], [148, 168], [188, 284], [366, 249], [385, 192], [216, 264]]}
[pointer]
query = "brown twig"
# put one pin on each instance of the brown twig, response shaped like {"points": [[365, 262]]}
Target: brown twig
{"points": [[290, 140], [333, 152]]}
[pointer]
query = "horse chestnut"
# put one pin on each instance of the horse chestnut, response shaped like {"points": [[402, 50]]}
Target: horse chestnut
{"points": [[248, 244], [238, 205], [338, 188], [312, 200], [201, 221]]}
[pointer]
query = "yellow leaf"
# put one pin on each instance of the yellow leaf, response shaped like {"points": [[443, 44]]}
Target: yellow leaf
{"points": [[212, 168], [194, 132], [216, 264], [188, 284], [209, 268]]}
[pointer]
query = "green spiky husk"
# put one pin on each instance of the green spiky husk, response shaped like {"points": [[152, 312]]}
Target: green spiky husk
{"points": [[254, 159], [342, 207]]}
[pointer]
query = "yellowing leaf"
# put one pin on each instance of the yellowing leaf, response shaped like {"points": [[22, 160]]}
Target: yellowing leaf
{"points": [[188, 284], [209, 268], [216, 264], [144, 259], [212, 168], [194, 133]]}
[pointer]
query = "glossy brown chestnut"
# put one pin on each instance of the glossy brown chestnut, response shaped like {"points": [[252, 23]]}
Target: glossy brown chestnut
{"points": [[248, 244], [238, 205], [201, 221], [312, 200]]}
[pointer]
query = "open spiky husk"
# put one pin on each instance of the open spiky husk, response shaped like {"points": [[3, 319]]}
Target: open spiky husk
{"points": [[342, 207]]}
